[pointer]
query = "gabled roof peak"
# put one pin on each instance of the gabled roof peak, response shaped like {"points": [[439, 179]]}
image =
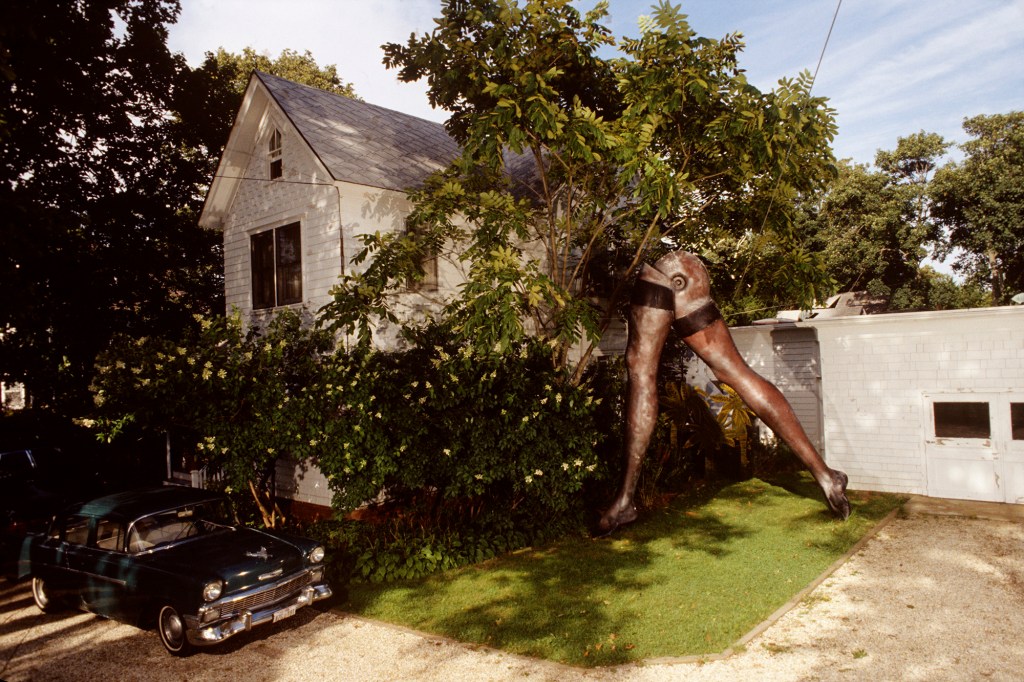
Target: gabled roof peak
{"points": [[363, 143]]}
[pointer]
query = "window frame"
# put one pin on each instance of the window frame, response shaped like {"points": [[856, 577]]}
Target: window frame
{"points": [[275, 266], [275, 162], [428, 266]]}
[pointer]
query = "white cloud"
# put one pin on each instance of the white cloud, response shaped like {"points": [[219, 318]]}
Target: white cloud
{"points": [[347, 33]]}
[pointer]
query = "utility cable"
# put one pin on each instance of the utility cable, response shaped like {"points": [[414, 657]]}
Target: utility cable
{"points": [[789, 149]]}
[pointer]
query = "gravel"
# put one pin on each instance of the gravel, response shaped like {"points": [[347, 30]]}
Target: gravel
{"points": [[929, 597]]}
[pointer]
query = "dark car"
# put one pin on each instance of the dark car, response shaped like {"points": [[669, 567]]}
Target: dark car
{"points": [[173, 555]]}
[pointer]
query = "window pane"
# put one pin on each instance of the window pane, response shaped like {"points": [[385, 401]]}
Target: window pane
{"points": [[262, 257], [109, 534], [962, 420], [77, 530], [276, 169], [1017, 420], [289, 265]]}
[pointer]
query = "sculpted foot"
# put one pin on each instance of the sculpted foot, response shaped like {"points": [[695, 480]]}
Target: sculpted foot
{"points": [[619, 515], [835, 493]]}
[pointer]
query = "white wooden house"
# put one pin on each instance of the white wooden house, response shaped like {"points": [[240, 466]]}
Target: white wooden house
{"points": [[303, 174]]}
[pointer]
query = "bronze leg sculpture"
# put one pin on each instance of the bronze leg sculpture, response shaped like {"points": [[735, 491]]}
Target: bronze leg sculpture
{"points": [[676, 292]]}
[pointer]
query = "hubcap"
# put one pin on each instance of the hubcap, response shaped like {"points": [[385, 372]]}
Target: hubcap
{"points": [[40, 590], [173, 628]]}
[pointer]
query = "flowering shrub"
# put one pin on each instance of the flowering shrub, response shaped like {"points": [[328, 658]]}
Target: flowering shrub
{"points": [[480, 436], [479, 431], [238, 400]]}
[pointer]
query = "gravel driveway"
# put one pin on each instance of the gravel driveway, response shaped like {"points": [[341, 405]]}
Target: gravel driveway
{"points": [[929, 597]]}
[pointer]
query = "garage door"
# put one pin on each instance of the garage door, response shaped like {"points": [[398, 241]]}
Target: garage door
{"points": [[974, 446]]}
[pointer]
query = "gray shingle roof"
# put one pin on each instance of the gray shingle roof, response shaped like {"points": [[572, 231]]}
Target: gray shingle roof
{"points": [[363, 143]]}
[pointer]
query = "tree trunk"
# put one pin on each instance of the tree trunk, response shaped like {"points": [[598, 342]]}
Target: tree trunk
{"points": [[997, 277]]}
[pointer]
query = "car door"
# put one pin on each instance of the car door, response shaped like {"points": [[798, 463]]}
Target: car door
{"points": [[103, 566], [50, 557]]}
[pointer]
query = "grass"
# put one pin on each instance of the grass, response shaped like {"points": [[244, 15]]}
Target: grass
{"points": [[689, 579]]}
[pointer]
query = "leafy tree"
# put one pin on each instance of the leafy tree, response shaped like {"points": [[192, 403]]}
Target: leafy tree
{"points": [[108, 142], [576, 168], [980, 204], [872, 228], [97, 210]]}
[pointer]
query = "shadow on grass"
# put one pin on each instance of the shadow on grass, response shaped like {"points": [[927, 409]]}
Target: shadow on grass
{"points": [[688, 579]]}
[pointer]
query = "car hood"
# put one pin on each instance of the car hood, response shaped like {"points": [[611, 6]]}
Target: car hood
{"points": [[243, 558]]}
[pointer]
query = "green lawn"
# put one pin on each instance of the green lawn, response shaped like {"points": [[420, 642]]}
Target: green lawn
{"points": [[689, 579]]}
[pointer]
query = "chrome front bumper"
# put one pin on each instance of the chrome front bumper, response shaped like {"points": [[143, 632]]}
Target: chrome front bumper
{"points": [[201, 635]]}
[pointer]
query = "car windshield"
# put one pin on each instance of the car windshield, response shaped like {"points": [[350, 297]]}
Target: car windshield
{"points": [[168, 527]]}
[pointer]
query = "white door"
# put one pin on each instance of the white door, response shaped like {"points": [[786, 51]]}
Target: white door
{"points": [[1013, 463], [974, 446]]}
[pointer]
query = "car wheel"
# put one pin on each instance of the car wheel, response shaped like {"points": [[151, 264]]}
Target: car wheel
{"points": [[46, 602], [171, 627]]}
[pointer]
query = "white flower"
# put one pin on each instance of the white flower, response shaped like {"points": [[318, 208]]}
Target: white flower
{"points": [[565, 466], [479, 477], [578, 462], [447, 452], [538, 472], [529, 479]]}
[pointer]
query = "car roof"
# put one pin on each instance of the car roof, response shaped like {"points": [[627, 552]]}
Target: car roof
{"points": [[134, 504]]}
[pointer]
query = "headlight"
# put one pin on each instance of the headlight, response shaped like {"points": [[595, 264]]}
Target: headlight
{"points": [[212, 590], [317, 555]]}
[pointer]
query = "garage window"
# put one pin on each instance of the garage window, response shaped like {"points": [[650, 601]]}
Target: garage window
{"points": [[962, 420], [1017, 420]]}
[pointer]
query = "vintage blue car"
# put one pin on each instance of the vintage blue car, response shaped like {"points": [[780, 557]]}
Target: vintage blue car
{"points": [[172, 555]]}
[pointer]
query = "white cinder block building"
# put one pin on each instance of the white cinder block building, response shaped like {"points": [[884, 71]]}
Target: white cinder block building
{"points": [[926, 403]]}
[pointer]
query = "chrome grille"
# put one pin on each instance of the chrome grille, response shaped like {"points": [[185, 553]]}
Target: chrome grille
{"points": [[260, 598]]}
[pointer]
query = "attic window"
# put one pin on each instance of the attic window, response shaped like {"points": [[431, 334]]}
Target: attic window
{"points": [[274, 155]]}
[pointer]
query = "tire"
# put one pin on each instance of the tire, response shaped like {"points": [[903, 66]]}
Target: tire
{"points": [[171, 627], [45, 601]]}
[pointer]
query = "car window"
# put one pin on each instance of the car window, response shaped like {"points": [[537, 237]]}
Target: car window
{"points": [[110, 535], [15, 463], [76, 530], [157, 530]]}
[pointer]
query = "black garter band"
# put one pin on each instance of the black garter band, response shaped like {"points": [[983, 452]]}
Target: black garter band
{"points": [[652, 295], [699, 319]]}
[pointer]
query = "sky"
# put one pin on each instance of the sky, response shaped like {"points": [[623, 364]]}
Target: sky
{"points": [[890, 67]]}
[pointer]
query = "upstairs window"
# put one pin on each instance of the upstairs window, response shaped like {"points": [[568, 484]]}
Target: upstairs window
{"points": [[276, 258], [426, 269], [274, 155]]}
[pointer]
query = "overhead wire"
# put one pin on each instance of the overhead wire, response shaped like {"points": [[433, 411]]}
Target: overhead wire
{"points": [[789, 149]]}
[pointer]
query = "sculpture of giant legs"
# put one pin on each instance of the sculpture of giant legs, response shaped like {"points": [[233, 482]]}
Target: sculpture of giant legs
{"points": [[676, 292]]}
